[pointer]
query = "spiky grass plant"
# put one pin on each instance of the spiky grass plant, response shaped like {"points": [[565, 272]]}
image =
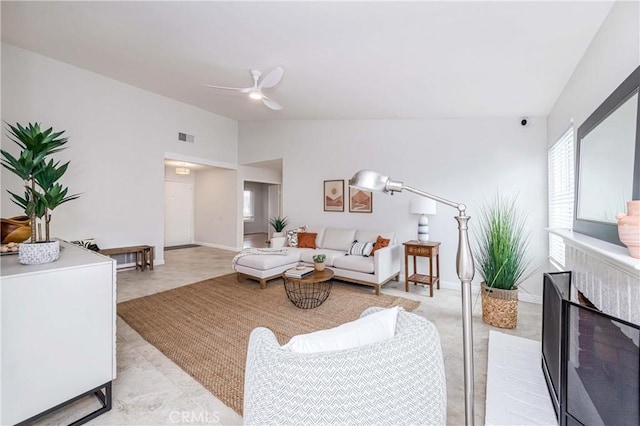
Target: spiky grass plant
{"points": [[502, 243], [279, 223]]}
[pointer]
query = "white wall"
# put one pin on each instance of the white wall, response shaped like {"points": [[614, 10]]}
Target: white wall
{"points": [[460, 159], [118, 137], [217, 216], [257, 174], [612, 55]]}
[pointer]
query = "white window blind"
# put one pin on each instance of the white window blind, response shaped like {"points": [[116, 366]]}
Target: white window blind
{"points": [[247, 211], [561, 159]]}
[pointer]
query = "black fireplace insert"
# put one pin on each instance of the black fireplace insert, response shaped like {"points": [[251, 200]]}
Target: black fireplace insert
{"points": [[591, 360]]}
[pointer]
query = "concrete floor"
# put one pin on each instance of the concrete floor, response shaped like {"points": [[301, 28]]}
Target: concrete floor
{"points": [[151, 389]]}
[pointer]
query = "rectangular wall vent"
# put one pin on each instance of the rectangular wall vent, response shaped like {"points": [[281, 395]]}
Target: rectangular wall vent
{"points": [[184, 137]]}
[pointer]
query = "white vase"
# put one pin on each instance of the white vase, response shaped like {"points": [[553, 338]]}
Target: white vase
{"points": [[277, 235], [37, 253]]}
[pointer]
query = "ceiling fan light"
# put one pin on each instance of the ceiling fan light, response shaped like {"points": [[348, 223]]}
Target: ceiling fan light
{"points": [[255, 95]]}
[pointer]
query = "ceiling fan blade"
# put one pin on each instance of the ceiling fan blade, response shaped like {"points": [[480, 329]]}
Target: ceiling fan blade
{"points": [[271, 103], [272, 78], [239, 89]]}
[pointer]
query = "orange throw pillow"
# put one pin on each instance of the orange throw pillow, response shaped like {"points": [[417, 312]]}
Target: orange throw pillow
{"points": [[307, 240], [380, 243]]}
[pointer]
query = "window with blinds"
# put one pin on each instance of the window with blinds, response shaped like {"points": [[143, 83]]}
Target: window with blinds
{"points": [[561, 159]]}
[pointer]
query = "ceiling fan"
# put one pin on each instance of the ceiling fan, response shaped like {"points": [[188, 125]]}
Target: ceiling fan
{"points": [[255, 92]]}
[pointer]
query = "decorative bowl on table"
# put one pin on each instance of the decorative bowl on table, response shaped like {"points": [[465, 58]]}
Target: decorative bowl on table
{"points": [[15, 229]]}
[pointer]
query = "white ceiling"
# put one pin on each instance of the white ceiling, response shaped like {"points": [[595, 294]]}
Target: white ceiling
{"points": [[342, 60]]}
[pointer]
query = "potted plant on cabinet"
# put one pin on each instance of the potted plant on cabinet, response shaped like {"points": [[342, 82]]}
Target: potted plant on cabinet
{"points": [[278, 223], [318, 262], [42, 191], [502, 259]]}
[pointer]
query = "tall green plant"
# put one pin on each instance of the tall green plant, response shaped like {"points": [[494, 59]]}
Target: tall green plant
{"points": [[502, 249], [42, 191]]}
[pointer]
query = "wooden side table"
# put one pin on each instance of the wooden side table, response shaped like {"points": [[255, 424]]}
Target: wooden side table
{"points": [[416, 249]]}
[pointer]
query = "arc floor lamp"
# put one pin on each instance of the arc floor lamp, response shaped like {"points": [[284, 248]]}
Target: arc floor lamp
{"points": [[374, 181]]}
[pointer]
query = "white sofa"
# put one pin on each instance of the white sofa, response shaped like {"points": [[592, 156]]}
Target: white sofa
{"points": [[374, 271]]}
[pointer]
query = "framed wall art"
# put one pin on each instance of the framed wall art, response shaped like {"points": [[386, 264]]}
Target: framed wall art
{"points": [[360, 201], [334, 195]]}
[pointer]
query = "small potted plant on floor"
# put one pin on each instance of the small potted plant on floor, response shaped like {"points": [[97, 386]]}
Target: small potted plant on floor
{"points": [[42, 191], [502, 259], [318, 262], [278, 223]]}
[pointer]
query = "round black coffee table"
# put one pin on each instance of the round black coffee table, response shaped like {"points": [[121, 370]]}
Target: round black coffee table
{"points": [[310, 291]]}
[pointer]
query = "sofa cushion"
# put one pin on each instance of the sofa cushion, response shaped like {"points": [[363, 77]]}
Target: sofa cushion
{"points": [[317, 230], [366, 330], [264, 262], [307, 255], [380, 243], [355, 263], [307, 240], [360, 249], [338, 239], [292, 236], [366, 235]]}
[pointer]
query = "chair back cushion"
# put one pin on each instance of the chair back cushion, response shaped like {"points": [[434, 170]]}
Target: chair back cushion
{"points": [[363, 331]]}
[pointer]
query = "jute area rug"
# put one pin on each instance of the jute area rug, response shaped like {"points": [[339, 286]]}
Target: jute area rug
{"points": [[204, 327]]}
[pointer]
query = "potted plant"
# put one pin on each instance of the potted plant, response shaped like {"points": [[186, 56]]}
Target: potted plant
{"points": [[42, 191], [278, 223], [318, 262], [502, 259]]}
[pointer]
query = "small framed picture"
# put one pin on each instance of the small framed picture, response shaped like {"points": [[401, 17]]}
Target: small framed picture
{"points": [[360, 201], [334, 195]]}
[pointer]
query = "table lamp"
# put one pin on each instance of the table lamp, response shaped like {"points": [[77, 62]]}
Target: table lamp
{"points": [[374, 181], [423, 207]]}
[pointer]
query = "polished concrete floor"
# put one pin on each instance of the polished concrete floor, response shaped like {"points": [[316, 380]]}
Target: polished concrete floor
{"points": [[151, 390]]}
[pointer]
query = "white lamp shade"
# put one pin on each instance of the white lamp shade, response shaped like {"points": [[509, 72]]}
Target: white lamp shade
{"points": [[422, 205]]}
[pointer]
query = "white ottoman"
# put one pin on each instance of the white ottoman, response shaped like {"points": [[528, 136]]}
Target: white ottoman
{"points": [[266, 267]]}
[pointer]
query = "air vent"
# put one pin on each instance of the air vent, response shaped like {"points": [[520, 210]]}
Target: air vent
{"points": [[184, 137]]}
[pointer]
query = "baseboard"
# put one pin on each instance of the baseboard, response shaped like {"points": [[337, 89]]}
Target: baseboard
{"points": [[218, 246], [475, 289]]}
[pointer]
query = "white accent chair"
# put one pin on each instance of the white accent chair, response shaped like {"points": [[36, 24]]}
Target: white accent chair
{"points": [[396, 381]]}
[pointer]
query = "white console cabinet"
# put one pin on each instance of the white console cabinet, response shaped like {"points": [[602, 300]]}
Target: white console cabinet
{"points": [[58, 332]]}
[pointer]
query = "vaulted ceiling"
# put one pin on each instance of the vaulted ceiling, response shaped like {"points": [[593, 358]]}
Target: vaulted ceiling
{"points": [[342, 60]]}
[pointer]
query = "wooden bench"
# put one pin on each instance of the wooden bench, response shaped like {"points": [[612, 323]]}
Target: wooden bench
{"points": [[144, 254]]}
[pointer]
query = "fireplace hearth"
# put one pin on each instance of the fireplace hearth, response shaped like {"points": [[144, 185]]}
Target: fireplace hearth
{"points": [[590, 359]]}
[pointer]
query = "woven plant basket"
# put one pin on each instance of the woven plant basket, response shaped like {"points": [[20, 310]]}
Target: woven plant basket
{"points": [[499, 307]]}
